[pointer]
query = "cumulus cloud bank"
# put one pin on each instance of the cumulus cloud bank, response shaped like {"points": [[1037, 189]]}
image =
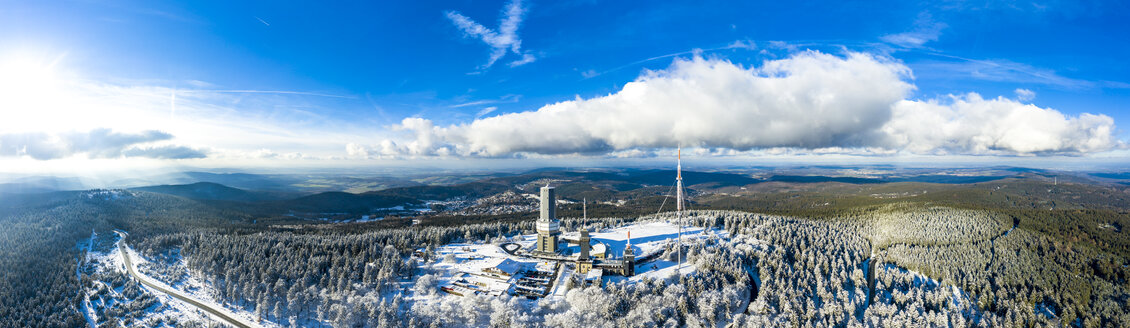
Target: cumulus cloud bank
{"points": [[811, 101], [96, 143], [969, 124]]}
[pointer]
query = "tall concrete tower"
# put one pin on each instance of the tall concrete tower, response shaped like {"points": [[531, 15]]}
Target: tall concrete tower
{"points": [[547, 225]]}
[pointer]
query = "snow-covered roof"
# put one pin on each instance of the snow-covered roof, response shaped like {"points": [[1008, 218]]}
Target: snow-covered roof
{"points": [[594, 274], [598, 248], [506, 265], [544, 266]]}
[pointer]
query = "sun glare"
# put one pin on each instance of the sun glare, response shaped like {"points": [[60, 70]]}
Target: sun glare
{"points": [[27, 75], [26, 84], [32, 92]]}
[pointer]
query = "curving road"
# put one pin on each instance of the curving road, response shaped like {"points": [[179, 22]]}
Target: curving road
{"points": [[175, 294]]}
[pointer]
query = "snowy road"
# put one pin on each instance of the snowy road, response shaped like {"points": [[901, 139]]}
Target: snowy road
{"points": [[177, 294]]}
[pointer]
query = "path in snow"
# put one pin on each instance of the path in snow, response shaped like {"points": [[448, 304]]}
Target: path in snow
{"points": [[220, 313]]}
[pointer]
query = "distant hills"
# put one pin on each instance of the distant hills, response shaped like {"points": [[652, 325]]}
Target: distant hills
{"points": [[335, 202], [315, 194], [238, 180], [216, 191], [343, 202], [40, 184]]}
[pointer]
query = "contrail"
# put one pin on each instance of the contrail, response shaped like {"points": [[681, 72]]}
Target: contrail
{"points": [[173, 105], [732, 45], [262, 21], [282, 92], [692, 51]]}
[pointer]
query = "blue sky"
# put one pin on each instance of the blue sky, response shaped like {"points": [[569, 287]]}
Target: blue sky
{"points": [[299, 81]]}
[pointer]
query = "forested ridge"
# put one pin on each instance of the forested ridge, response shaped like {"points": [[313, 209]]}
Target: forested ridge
{"points": [[40, 254]]}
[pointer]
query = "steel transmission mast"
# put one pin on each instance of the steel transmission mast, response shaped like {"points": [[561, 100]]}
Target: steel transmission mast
{"points": [[679, 205]]}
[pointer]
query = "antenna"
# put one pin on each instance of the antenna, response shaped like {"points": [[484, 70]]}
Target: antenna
{"points": [[584, 210], [679, 203], [679, 168]]}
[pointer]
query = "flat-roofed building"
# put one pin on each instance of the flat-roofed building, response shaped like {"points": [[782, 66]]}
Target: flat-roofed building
{"points": [[504, 267]]}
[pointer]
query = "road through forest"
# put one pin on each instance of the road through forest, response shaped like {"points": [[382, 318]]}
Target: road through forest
{"points": [[176, 294]]}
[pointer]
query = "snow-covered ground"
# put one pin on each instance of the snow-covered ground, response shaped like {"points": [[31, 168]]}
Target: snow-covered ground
{"points": [[197, 291], [463, 264], [169, 310], [460, 266], [103, 294], [652, 237]]}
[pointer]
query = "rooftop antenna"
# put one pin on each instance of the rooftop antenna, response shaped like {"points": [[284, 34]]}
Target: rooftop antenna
{"points": [[679, 203], [584, 211]]}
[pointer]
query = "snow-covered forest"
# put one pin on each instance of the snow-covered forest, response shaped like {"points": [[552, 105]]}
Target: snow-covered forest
{"points": [[932, 266], [892, 264]]}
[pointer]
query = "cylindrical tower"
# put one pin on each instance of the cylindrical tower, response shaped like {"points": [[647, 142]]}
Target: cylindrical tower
{"points": [[548, 204], [547, 226]]}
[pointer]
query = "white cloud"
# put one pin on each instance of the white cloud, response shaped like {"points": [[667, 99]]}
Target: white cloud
{"points": [[96, 143], [810, 100], [969, 124], [925, 30], [1025, 94], [502, 41], [526, 59], [813, 102], [632, 153], [511, 98], [387, 149], [485, 111], [165, 152], [266, 153], [742, 44]]}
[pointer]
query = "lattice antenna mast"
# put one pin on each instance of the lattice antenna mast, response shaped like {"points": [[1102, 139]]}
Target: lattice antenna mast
{"points": [[679, 204], [679, 182]]}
